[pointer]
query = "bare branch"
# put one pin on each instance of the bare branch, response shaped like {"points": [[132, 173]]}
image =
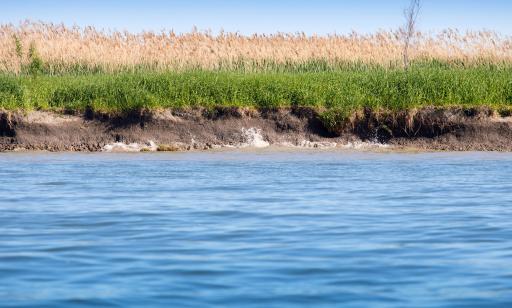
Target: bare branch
{"points": [[411, 16]]}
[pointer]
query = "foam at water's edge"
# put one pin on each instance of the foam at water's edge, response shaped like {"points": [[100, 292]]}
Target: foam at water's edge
{"points": [[321, 145], [253, 138], [130, 147], [309, 144], [364, 145]]}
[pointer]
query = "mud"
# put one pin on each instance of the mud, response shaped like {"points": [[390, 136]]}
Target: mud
{"points": [[203, 129]]}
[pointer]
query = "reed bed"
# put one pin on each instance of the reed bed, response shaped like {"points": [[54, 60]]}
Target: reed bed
{"points": [[58, 49], [53, 67]]}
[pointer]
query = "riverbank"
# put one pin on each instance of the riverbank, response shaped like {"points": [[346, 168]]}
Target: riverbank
{"points": [[186, 129], [84, 89]]}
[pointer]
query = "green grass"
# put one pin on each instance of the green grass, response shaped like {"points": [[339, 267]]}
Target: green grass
{"points": [[340, 90]]}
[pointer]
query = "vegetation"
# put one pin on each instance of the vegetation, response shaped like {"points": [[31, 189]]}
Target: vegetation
{"points": [[423, 84], [64, 50], [57, 68]]}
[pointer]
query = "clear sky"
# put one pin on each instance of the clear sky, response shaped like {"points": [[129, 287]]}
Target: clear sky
{"points": [[261, 16]]}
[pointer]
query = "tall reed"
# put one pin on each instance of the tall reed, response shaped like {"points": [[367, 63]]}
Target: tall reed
{"points": [[62, 49]]}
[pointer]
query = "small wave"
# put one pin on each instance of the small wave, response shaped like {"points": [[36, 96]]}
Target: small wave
{"points": [[253, 138], [130, 147]]}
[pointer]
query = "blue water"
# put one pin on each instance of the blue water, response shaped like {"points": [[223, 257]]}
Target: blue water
{"points": [[262, 229]]}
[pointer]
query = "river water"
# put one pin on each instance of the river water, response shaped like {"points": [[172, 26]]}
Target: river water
{"points": [[263, 229]]}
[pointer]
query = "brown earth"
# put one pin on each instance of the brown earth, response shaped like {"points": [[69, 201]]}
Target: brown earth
{"points": [[200, 129]]}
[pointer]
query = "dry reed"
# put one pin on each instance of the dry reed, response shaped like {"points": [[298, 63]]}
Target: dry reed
{"points": [[62, 48]]}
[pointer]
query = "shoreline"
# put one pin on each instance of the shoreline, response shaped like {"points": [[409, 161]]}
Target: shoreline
{"points": [[199, 129]]}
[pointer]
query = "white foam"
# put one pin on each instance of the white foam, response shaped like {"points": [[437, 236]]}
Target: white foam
{"points": [[130, 147], [309, 144], [361, 145], [253, 138], [320, 145]]}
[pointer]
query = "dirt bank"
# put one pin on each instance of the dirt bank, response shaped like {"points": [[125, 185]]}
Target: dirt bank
{"points": [[201, 129]]}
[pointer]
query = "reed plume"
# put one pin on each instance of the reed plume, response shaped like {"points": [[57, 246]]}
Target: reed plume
{"points": [[65, 49]]}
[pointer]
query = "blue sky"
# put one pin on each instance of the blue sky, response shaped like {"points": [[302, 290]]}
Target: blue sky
{"points": [[262, 16]]}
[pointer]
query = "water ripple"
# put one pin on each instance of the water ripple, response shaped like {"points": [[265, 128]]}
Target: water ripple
{"points": [[256, 229]]}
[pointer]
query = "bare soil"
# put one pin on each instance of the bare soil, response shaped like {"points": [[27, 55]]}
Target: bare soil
{"points": [[201, 129]]}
